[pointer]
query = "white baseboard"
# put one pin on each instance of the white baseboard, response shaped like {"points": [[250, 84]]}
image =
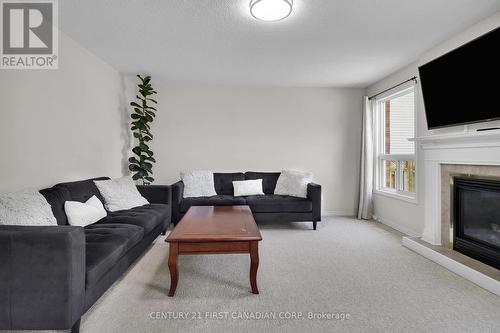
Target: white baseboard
{"points": [[399, 227], [337, 213], [474, 276]]}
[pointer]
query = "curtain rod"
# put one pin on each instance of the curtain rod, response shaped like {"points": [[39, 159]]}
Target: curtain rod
{"points": [[397, 85]]}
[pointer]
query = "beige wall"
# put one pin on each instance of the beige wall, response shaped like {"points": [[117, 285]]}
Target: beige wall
{"points": [[61, 125], [404, 216], [263, 129]]}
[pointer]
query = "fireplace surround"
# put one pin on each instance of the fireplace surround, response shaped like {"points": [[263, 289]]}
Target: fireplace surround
{"points": [[442, 158]]}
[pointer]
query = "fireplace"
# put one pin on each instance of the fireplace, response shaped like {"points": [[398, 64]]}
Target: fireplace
{"points": [[476, 219], [447, 157]]}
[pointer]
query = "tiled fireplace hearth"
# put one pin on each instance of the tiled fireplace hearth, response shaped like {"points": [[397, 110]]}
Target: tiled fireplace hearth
{"points": [[467, 155]]}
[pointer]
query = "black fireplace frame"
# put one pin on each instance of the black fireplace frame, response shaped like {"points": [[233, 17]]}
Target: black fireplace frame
{"points": [[471, 247]]}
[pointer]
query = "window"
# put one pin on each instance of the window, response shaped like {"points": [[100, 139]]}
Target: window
{"points": [[395, 154]]}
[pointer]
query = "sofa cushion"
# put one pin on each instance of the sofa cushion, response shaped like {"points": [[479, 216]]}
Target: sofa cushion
{"points": [[105, 244], [26, 208], [269, 179], [247, 187], [293, 183], [198, 183], [270, 203], [120, 194], [216, 200], [56, 197], [224, 182], [84, 213], [148, 216], [83, 190]]}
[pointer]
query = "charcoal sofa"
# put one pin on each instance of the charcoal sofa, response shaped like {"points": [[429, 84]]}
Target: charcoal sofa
{"points": [[265, 208], [51, 275]]}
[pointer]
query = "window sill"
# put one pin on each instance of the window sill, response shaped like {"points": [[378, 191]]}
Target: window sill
{"points": [[397, 196]]}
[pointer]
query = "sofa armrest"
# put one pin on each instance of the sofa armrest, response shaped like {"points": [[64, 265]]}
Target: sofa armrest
{"points": [[314, 194], [42, 269], [161, 194], [177, 194]]}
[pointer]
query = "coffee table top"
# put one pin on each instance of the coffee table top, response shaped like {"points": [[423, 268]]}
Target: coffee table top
{"points": [[216, 224]]}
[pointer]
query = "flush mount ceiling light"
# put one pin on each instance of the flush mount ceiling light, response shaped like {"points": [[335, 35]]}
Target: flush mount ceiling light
{"points": [[270, 10]]}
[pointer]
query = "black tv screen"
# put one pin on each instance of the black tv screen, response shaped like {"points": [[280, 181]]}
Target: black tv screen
{"points": [[463, 86]]}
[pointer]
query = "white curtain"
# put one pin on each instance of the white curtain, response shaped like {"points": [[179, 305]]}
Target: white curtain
{"points": [[365, 207]]}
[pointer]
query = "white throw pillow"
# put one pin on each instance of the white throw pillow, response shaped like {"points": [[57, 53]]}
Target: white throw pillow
{"points": [[198, 183], [82, 214], [27, 207], [293, 183], [120, 194], [247, 187]]}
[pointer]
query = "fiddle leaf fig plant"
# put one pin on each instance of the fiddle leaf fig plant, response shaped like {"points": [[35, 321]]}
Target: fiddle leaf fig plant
{"points": [[142, 116]]}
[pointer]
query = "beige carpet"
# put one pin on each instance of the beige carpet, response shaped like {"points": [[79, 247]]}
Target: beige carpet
{"points": [[347, 267]]}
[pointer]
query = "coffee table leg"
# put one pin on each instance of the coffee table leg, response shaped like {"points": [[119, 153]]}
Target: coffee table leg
{"points": [[254, 265], [172, 266]]}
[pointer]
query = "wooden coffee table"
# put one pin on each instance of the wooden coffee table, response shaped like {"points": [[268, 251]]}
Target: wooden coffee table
{"points": [[215, 230]]}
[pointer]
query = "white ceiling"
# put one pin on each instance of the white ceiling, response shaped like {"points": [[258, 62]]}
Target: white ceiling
{"points": [[342, 43]]}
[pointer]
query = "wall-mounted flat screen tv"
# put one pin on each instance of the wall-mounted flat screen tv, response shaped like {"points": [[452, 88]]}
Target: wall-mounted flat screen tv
{"points": [[463, 86]]}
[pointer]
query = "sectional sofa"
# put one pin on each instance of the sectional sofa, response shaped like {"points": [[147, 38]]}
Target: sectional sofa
{"points": [[51, 275], [267, 207]]}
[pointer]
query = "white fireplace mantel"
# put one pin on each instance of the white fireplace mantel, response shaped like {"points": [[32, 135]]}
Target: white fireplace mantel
{"points": [[458, 140], [472, 148]]}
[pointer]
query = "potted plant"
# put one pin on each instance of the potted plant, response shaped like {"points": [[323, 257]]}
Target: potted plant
{"points": [[142, 116]]}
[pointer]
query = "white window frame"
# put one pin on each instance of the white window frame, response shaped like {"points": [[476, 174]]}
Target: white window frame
{"points": [[380, 156]]}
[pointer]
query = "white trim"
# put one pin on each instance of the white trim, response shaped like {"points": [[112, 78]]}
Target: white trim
{"points": [[398, 157], [470, 274], [337, 213], [397, 226], [411, 197], [432, 203]]}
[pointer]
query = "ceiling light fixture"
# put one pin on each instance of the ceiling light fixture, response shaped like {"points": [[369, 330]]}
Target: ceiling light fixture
{"points": [[271, 10]]}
